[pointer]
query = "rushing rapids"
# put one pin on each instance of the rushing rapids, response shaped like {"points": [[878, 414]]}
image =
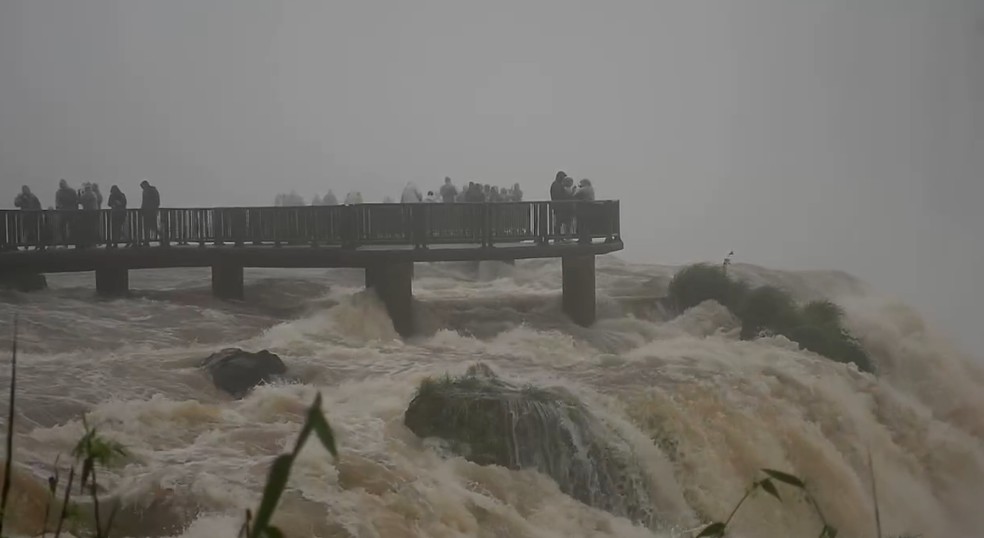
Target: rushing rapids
{"points": [[696, 410], [491, 422]]}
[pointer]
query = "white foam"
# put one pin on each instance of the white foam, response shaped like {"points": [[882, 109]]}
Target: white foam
{"points": [[702, 409]]}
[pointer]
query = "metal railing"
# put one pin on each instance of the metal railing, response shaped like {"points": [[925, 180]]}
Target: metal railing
{"points": [[348, 226]]}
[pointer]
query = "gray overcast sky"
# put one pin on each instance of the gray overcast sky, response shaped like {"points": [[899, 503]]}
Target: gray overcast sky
{"points": [[842, 134]]}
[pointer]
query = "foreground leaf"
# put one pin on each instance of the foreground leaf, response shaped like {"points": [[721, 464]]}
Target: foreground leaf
{"points": [[770, 488], [828, 532], [9, 459], [276, 483], [322, 429], [785, 478], [714, 530]]}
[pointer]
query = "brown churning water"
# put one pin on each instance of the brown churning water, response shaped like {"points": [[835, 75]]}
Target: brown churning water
{"points": [[698, 410]]}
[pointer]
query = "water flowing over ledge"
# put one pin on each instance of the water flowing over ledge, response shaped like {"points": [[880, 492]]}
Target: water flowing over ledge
{"points": [[698, 408]]}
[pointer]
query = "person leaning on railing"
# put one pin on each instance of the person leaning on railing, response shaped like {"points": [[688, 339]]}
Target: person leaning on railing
{"points": [[89, 217], [586, 211], [559, 192], [117, 212], [67, 203], [149, 207], [30, 219]]}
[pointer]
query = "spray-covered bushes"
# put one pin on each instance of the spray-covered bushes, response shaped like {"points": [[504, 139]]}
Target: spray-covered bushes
{"points": [[821, 331], [817, 326], [766, 308], [702, 282]]}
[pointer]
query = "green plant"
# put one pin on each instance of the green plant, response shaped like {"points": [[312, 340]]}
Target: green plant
{"points": [[93, 451], [9, 459], [768, 485], [701, 282], [817, 326], [316, 423], [821, 331], [822, 313], [767, 308]]}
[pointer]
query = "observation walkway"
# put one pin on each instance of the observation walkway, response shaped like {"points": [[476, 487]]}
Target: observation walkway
{"points": [[384, 239]]}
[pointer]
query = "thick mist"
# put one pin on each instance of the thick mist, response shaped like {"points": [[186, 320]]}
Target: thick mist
{"points": [[840, 134]]}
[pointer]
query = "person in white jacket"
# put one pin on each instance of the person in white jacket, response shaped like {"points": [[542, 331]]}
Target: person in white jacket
{"points": [[353, 198], [585, 191], [411, 194]]}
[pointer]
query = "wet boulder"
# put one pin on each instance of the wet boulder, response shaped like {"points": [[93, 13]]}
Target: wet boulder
{"points": [[236, 371], [27, 501], [488, 421], [24, 282]]}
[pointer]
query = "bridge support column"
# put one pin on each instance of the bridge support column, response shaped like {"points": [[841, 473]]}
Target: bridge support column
{"points": [[579, 288], [393, 283], [112, 281], [227, 280]]}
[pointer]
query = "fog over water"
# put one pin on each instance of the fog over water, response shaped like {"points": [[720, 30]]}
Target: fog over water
{"points": [[832, 135], [837, 147]]}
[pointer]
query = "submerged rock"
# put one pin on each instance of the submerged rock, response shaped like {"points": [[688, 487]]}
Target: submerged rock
{"points": [[24, 282], [237, 372], [27, 502], [491, 422]]}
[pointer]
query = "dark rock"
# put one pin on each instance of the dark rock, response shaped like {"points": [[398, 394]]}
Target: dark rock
{"points": [[237, 372], [24, 282], [491, 422]]}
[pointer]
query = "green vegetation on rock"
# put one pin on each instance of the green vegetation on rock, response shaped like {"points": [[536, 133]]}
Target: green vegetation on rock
{"points": [[817, 326], [491, 422], [23, 282], [695, 284]]}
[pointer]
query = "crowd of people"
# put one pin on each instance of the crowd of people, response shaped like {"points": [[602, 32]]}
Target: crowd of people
{"points": [[77, 218], [472, 192], [563, 189], [447, 193]]}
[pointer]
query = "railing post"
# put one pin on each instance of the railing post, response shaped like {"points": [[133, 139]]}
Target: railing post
{"points": [[4, 227], [164, 231], [419, 214], [617, 218], [220, 224], [486, 234], [348, 225], [239, 226], [201, 217]]}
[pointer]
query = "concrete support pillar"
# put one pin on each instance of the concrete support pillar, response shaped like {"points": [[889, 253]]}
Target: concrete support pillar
{"points": [[112, 281], [227, 280], [393, 283], [579, 289]]}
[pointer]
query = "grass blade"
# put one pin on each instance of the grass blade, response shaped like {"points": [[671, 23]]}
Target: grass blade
{"points": [[714, 530], [52, 489], [770, 488], [785, 478], [276, 483], [64, 510], [280, 471], [95, 505], [874, 495], [319, 424], [112, 516], [244, 530], [9, 461]]}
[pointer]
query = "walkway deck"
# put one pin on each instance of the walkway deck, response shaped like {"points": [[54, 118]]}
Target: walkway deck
{"points": [[386, 239]]}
